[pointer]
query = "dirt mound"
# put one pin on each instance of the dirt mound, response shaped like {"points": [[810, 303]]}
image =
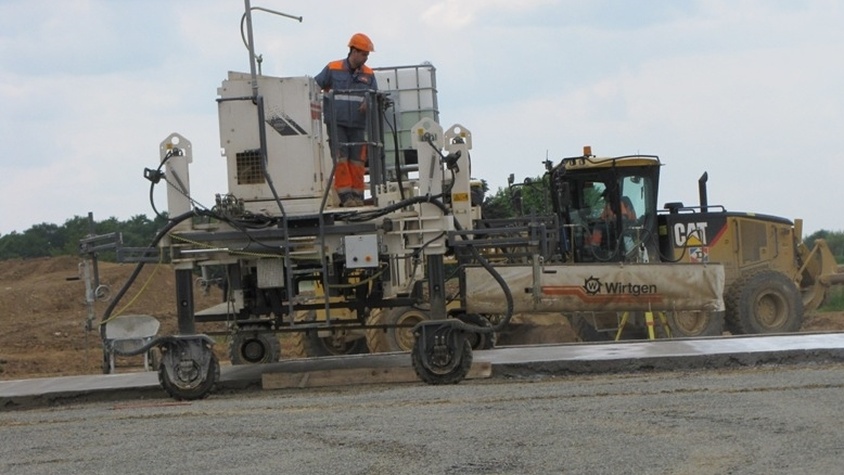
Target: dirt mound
{"points": [[43, 309]]}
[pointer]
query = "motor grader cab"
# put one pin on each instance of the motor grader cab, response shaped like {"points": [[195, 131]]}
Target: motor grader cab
{"points": [[607, 207], [608, 210]]}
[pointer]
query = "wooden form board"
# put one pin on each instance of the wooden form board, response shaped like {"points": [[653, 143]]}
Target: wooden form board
{"points": [[354, 376]]}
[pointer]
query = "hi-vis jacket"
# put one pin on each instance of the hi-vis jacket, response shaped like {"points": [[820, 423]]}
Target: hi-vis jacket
{"points": [[338, 76]]}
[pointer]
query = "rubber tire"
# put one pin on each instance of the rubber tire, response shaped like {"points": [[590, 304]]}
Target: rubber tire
{"points": [[307, 344], [199, 392], [586, 332], [689, 324], [254, 336], [396, 338], [763, 303], [478, 341], [454, 376]]}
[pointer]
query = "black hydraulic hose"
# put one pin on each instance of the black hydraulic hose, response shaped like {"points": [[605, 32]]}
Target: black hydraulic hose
{"points": [[397, 151], [508, 295], [170, 225], [154, 180], [370, 215], [435, 200]]}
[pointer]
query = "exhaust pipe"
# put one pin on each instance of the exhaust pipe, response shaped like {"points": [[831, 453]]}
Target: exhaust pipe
{"points": [[701, 189]]}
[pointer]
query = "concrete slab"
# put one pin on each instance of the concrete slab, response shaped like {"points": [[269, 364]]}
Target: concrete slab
{"points": [[517, 361]]}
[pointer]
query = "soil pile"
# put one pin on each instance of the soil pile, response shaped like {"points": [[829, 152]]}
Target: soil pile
{"points": [[44, 313]]}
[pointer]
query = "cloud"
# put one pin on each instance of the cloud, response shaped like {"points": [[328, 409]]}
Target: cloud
{"points": [[748, 91]]}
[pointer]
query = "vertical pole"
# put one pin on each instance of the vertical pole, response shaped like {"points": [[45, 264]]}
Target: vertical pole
{"points": [[436, 286], [91, 232], [251, 45], [184, 301], [649, 322]]}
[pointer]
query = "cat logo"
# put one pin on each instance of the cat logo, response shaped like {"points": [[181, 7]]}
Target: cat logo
{"points": [[690, 234]]}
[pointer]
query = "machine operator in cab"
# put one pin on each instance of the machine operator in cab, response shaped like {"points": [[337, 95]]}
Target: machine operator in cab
{"points": [[346, 77]]}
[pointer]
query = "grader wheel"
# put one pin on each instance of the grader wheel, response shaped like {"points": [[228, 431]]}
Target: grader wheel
{"points": [[691, 324], [764, 302]]}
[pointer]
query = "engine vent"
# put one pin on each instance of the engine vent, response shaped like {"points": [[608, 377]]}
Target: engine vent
{"points": [[249, 168]]}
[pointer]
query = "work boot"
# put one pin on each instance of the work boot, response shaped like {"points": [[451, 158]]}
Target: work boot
{"points": [[350, 200]]}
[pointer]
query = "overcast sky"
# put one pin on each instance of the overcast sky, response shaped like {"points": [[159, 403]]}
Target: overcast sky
{"points": [[750, 91]]}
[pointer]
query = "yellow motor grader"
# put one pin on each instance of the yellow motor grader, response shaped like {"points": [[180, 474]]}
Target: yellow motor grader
{"points": [[608, 212]]}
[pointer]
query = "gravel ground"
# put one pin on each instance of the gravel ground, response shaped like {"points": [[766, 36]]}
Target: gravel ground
{"points": [[768, 420]]}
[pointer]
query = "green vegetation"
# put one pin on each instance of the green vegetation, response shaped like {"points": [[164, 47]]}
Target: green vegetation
{"points": [[43, 240], [530, 198], [834, 300]]}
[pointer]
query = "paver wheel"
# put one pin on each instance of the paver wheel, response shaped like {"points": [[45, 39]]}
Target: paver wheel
{"points": [[337, 342], [445, 362], [585, 327], [395, 338], [478, 341], [181, 371], [764, 302], [254, 345]]}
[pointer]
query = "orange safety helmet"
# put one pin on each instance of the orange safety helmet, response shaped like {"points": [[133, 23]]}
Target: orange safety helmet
{"points": [[361, 42]]}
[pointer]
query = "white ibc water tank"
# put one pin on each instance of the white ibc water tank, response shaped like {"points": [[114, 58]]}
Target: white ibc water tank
{"points": [[413, 91]]}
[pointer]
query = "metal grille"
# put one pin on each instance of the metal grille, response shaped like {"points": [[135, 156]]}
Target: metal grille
{"points": [[249, 169]]}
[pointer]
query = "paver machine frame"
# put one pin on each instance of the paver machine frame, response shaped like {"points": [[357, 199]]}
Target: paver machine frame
{"points": [[289, 249]]}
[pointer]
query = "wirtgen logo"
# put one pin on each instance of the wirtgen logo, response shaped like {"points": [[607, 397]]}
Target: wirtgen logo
{"points": [[594, 286]]}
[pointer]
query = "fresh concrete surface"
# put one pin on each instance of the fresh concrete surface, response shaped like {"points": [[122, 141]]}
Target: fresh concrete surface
{"points": [[521, 361]]}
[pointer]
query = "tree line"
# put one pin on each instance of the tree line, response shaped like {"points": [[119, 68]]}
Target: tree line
{"points": [[45, 239], [49, 240]]}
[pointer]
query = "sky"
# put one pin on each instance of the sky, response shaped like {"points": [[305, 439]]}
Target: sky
{"points": [[749, 91]]}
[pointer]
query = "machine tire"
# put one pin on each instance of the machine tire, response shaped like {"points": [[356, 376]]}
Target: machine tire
{"points": [[200, 391], [764, 302], [254, 345], [395, 338], [690, 324], [478, 341], [453, 374], [308, 343], [586, 331]]}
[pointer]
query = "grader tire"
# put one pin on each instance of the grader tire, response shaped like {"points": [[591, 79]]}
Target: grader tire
{"points": [[380, 340], [690, 324], [585, 330], [762, 303]]}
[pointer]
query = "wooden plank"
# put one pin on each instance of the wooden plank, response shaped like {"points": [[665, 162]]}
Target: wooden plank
{"points": [[353, 376]]}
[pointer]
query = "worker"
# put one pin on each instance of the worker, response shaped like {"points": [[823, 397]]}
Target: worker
{"points": [[346, 77], [628, 214]]}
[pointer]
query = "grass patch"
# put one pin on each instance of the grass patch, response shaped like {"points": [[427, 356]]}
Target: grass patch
{"points": [[834, 300]]}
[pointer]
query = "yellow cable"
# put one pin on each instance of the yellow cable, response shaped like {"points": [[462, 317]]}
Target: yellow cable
{"points": [[137, 295]]}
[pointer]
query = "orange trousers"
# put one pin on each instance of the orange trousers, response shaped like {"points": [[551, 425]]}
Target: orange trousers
{"points": [[351, 157]]}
